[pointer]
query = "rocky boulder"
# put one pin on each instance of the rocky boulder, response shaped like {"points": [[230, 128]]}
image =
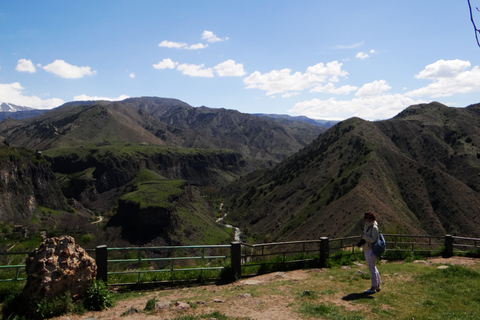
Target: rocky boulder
{"points": [[58, 266]]}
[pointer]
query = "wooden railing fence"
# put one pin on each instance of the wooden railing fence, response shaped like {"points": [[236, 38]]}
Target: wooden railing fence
{"points": [[235, 258]]}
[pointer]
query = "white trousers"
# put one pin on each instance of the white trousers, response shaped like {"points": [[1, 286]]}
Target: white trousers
{"points": [[371, 263]]}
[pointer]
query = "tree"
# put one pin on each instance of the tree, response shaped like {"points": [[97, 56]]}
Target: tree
{"points": [[477, 31]]}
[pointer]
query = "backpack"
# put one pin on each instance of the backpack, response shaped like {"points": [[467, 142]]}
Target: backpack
{"points": [[380, 246]]}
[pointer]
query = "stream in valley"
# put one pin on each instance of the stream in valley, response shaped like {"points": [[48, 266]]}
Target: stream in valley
{"points": [[221, 221]]}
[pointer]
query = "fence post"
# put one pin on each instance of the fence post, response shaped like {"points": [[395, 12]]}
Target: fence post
{"points": [[324, 252], [236, 259], [101, 260], [448, 246]]}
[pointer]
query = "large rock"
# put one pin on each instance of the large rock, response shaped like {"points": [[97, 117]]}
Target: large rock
{"points": [[58, 266]]}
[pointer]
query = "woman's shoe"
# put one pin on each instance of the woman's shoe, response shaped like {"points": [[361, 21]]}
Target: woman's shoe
{"points": [[370, 291]]}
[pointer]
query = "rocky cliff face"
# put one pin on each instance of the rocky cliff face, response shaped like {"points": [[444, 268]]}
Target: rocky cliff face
{"points": [[25, 184], [97, 177]]}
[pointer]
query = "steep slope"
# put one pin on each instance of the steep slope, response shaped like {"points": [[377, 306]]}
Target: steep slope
{"points": [[419, 171], [73, 125], [26, 183], [166, 212], [98, 176], [159, 121]]}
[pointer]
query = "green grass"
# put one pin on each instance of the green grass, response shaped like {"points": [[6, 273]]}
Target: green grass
{"points": [[324, 311], [410, 290], [155, 193]]}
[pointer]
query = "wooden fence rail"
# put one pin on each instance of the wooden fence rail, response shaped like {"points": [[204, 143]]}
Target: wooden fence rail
{"points": [[237, 256]]}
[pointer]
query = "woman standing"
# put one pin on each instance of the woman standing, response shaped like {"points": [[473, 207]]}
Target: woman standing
{"points": [[370, 235]]}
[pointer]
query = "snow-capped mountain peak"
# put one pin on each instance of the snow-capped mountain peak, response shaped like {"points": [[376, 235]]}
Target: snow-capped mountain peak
{"points": [[10, 107]]}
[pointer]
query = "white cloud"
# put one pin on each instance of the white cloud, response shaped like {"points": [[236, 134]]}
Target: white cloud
{"points": [[281, 81], [443, 69], [371, 101], [230, 68], [277, 81], [132, 75], [197, 46], [290, 94], [373, 89], [333, 70], [330, 88], [362, 55], [25, 65], [182, 45], [373, 108], [449, 77], [171, 44], [195, 70], [84, 97], [211, 37], [68, 71], [166, 64], [13, 93]]}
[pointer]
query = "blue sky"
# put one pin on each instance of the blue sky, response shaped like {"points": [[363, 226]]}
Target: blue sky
{"points": [[323, 59]]}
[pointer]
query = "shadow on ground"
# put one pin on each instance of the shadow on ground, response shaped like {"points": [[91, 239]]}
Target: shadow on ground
{"points": [[357, 296]]}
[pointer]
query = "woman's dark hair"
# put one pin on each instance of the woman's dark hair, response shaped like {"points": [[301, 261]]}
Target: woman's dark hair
{"points": [[370, 214]]}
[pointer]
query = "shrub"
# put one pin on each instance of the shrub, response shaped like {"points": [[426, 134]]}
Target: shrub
{"points": [[98, 297], [54, 307], [16, 307], [150, 304]]}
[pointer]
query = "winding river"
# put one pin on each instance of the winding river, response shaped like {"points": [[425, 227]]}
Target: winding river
{"points": [[221, 221]]}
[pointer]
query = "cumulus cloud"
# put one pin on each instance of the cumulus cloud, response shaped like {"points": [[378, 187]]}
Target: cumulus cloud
{"points": [[211, 37], [166, 64], [331, 89], [171, 44], [290, 94], [330, 71], [230, 68], [282, 81], [443, 69], [68, 71], [13, 93], [373, 108], [132, 75], [197, 46], [84, 97], [195, 70], [449, 77], [373, 89], [24, 65], [364, 55]]}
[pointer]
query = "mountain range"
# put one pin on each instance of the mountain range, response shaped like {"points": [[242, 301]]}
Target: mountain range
{"points": [[419, 171], [158, 169], [112, 158], [162, 121]]}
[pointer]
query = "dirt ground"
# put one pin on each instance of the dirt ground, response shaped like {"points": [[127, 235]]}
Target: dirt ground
{"points": [[230, 299]]}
